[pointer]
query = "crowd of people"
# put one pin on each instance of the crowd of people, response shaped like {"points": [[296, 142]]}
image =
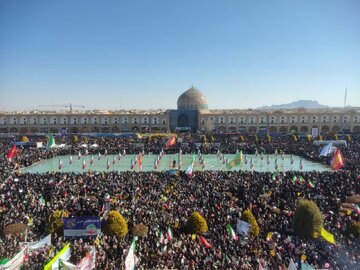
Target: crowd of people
{"points": [[161, 200]]}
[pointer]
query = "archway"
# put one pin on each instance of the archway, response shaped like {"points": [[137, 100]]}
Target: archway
{"points": [[74, 130], [325, 129], [283, 129], [356, 129], [115, 129], [54, 130], [24, 130], [183, 121], [105, 129], [84, 130], [14, 130], [252, 129], [232, 129], [273, 129], [34, 130], [3, 130], [222, 129], [294, 129], [135, 129], [335, 129], [304, 129], [95, 129]]}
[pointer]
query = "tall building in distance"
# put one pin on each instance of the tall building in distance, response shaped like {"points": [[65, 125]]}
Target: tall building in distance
{"points": [[192, 113]]}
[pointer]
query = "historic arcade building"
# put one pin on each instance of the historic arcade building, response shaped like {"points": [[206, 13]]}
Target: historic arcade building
{"points": [[192, 113]]}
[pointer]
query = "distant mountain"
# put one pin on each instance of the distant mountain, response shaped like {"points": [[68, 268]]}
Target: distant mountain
{"points": [[308, 104]]}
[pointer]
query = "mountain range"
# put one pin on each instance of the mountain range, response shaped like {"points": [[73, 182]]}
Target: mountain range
{"points": [[308, 104]]}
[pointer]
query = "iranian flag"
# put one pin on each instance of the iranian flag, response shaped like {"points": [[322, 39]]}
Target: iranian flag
{"points": [[130, 258], [357, 209], [84, 164], [92, 160], [156, 163], [79, 155], [70, 160], [161, 238], [12, 153], [60, 164], [273, 177], [311, 184], [189, 171], [206, 243], [232, 233], [114, 160], [169, 234], [132, 164], [99, 156], [294, 179], [42, 201]]}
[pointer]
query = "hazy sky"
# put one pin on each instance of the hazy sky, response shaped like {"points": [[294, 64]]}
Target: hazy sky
{"points": [[144, 54]]}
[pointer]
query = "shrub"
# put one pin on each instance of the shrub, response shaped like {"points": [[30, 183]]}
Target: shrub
{"points": [[116, 224], [249, 217], [196, 224], [15, 228], [355, 228], [75, 139], [25, 139], [308, 219], [56, 224], [140, 230], [203, 139]]}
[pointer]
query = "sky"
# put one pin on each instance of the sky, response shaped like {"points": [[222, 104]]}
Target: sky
{"points": [[141, 54]]}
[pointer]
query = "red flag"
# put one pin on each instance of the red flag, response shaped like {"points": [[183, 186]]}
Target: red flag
{"points": [[12, 152], [171, 142], [337, 161], [206, 243]]}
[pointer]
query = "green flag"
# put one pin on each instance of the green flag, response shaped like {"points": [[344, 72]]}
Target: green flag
{"points": [[236, 161], [51, 142]]}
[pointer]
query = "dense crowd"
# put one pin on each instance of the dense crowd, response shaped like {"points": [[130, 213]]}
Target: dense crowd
{"points": [[161, 200]]}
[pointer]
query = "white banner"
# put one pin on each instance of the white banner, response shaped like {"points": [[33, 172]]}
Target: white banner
{"points": [[87, 263], [314, 132], [46, 241], [17, 261]]}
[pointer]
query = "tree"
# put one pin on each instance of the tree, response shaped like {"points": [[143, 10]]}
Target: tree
{"points": [[56, 224], [308, 219], [25, 139], [116, 224], [249, 217], [196, 224], [75, 139], [203, 139]]}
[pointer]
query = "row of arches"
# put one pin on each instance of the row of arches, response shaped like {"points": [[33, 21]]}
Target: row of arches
{"points": [[284, 129], [115, 129]]}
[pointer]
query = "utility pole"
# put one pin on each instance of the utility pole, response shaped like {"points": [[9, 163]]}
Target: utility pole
{"points": [[345, 98]]}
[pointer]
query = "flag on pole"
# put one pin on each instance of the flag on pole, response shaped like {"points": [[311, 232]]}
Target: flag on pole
{"points": [[292, 265], [337, 161], [84, 164], [114, 160], [132, 164], [130, 258], [60, 164], [99, 156], [206, 243], [51, 142], [140, 160], [311, 184], [189, 171], [70, 160], [236, 161], [92, 160], [301, 166], [161, 238], [169, 234], [327, 149], [327, 236], [12, 153], [79, 155], [107, 164], [232, 233], [171, 142], [42, 201]]}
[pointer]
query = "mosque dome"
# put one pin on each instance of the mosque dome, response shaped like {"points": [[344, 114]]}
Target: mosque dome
{"points": [[192, 99]]}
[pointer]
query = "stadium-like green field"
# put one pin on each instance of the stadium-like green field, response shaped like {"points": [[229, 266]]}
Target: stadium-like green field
{"points": [[212, 162]]}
